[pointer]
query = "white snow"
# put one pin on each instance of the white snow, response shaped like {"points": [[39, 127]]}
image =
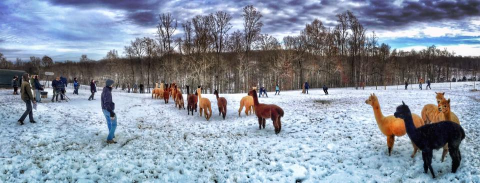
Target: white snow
{"points": [[331, 138]]}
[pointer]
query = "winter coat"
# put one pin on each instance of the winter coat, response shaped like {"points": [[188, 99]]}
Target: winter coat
{"points": [[14, 83], [277, 88], [93, 87], [306, 85], [107, 102], [54, 84], [64, 81], [26, 91], [37, 84], [75, 84], [325, 87], [428, 82]]}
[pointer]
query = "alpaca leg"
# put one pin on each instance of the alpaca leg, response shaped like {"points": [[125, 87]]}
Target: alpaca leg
{"points": [[425, 165], [260, 123], [390, 142], [429, 160], [201, 111], [415, 149], [445, 151], [456, 158], [263, 123]]}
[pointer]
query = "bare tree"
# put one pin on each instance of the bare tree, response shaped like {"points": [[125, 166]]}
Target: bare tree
{"points": [[252, 27]]}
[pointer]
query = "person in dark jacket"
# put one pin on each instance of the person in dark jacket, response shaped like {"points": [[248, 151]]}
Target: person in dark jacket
{"points": [[141, 88], [325, 89], [406, 85], [108, 108], [428, 85], [15, 85], [75, 86], [27, 97], [56, 89], [306, 87], [38, 88], [93, 90]]}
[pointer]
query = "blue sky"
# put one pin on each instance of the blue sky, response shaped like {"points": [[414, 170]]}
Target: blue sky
{"points": [[66, 29]]}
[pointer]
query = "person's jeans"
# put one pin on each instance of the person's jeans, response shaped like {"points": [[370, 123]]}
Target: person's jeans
{"points": [[37, 95], [278, 91], [112, 125], [420, 86], [306, 89], [27, 112], [15, 90], [76, 90], [55, 95]]}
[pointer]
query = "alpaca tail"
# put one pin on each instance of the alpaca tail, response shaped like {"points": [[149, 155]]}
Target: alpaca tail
{"points": [[241, 107], [280, 111]]}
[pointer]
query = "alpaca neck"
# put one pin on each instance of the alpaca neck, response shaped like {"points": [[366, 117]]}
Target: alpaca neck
{"points": [[188, 90], [255, 98], [411, 129], [378, 113], [448, 116], [216, 95]]}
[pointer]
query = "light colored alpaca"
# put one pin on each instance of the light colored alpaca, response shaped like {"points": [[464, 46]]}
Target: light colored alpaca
{"points": [[204, 105], [246, 101], [430, 112], [391, 126], [448, 115]]}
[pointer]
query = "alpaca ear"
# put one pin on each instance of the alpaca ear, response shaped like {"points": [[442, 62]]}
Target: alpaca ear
{"points": [[448, 101], [403, 102], [374, 94], [443, 93]]}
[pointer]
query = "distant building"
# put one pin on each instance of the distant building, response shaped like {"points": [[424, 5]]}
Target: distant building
{"points": [[6, 76]]}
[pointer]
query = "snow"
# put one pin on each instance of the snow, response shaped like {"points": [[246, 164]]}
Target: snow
{"points": [[332, 138]]}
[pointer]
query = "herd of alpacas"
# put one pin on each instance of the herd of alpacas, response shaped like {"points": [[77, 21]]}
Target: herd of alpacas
{"points": [[438, 128], [250, 102]]}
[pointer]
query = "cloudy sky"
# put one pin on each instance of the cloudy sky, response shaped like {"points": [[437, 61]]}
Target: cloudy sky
{"points": [[66, 29]]}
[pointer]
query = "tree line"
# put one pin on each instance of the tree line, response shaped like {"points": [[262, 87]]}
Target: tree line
{"points": [[210, 55]]}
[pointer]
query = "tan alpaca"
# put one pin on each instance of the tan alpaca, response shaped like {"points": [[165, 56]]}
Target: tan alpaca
{"points": [[448, 115], [391, 126], [158, 92], [430, 112], [204, 105], [246, 101]]}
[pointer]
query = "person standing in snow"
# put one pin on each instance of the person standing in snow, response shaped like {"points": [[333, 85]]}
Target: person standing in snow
{"points": [[38, 88], [428, 85], [108, 108], [93, 90], [406, 84], [75, 86], [56, 88], [15, 85], [277, 90], [325, 89], [420, 83], [306, 87], [27, 97]]}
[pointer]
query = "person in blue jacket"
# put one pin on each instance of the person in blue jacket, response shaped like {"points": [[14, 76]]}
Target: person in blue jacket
{"points": [[306, 87], [277, 90], [108, 108], [325, 89], [75, 86]]}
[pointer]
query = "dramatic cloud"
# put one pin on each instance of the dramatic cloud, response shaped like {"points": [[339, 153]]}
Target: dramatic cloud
{"points": [[66, 29]]}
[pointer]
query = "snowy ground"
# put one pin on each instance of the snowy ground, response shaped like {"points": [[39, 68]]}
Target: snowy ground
{"points": [[331, 138]]}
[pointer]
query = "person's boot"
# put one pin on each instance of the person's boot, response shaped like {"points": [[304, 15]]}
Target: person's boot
{"points": [[111, 142], [33, 121], [21, 122]]}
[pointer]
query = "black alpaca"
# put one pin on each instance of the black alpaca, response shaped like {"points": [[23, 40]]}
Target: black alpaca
{"points": [[433, 136]]}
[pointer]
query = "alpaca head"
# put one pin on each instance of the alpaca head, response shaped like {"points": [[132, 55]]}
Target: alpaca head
{"points": [[440, 97], [372, 100], [444, 106], [199, 91], [215, 92], [402, 111], [251, 92]]}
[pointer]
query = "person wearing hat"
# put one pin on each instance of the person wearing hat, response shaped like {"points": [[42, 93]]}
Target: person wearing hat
{"points": [[27, 97], [108, 107]]}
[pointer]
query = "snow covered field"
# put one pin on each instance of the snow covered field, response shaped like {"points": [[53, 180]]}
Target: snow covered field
{"points": [[332, 138]]}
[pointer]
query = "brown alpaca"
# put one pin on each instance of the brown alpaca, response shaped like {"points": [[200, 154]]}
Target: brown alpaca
{"points": [[173, 90], [391, 126], [264, 111], [204, 104], [158, 92], [430, 112], [448, 115], [222, 105], [246, 101], [191, 101], [166, 96], [180, 102]]}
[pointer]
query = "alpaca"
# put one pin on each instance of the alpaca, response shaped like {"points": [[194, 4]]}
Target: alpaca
{"points": [[204, 104], [166, 96], [246, 101], [264, 111], [391, 126], [222, 104], [430, 112], [447, 115], [433, 136], [180, 102], [158, 92], [191, 101]]}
